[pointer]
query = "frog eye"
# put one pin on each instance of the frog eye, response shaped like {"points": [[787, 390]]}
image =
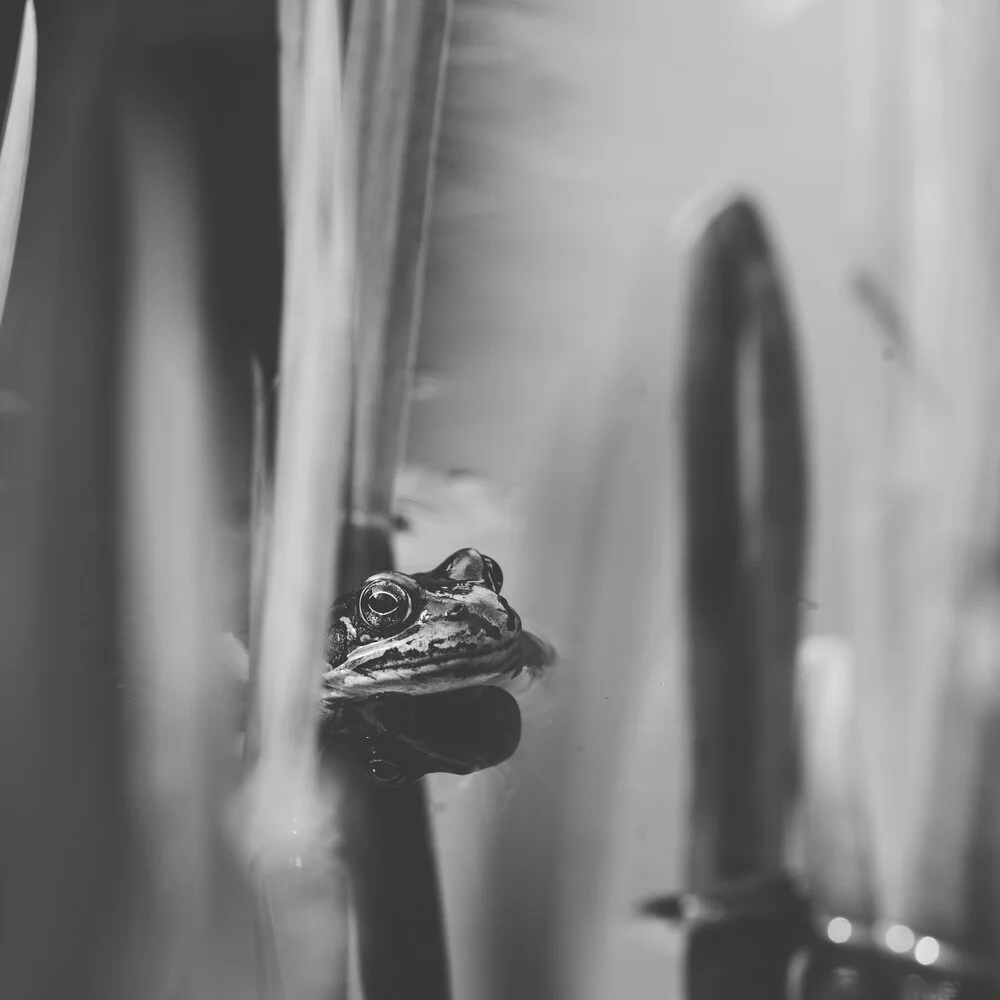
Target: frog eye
{"points": [[470, 566], [384, 604]]}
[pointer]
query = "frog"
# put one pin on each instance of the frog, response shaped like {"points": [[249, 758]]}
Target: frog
{"points": [[428, 633]]}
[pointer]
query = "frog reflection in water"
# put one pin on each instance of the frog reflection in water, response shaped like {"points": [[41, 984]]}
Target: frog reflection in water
{"points": [[429, 633]]}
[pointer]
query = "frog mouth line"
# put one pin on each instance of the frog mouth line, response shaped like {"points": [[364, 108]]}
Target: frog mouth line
{"points": [[445, 659], [536, 653]]}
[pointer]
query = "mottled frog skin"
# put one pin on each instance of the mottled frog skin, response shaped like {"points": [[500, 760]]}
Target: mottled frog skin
{"points": [[428, 633]]}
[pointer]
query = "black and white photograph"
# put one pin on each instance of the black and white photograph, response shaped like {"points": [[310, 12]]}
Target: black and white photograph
{"points": [[497, 500]]}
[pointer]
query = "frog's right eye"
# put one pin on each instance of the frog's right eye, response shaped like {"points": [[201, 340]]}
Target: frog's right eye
{"points": [[384, 605]]}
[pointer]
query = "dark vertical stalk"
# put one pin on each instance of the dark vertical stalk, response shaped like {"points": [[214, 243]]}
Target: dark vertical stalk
{"points": [[745, 503], [745, 507], [395, 78]]}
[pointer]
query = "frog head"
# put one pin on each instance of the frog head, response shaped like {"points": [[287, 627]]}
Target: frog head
{"points": [[428, 633]]}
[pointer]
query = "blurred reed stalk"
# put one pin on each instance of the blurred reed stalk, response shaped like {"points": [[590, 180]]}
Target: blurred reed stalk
{"points": [[950, 462], [288, 831], [926, 619], [745, 500], [396, 60], [63, 825], [16, 134], [880, 553], [743, 481], [184, 924]]}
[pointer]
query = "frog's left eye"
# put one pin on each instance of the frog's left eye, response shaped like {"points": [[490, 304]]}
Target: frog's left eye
{"points": [[384, 604]]}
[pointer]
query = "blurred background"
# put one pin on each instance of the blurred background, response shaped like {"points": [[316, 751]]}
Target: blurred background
{"points": [[577, 150]]}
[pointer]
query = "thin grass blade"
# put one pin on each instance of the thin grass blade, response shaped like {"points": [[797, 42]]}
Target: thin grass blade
{"points": [[16, 143]]}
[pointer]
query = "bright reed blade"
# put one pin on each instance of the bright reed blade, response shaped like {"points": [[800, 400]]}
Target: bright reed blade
{"points": [[835, 849], [396, 70], [947, 457], [14, 150], [260, 502], [288, 826]]}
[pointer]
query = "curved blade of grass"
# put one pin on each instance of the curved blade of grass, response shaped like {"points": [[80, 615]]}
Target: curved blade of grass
{"points": [[15, 146]]}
